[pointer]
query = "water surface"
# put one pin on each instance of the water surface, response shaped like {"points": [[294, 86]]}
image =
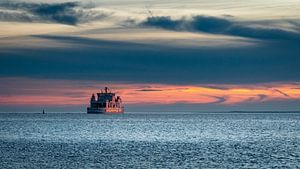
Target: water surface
{"points": [[150, 140]]}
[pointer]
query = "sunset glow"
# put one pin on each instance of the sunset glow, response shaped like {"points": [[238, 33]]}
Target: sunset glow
{"points": [[77, 93]]}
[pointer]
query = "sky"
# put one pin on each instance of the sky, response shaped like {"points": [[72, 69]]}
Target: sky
{"points": [[158, 55]]}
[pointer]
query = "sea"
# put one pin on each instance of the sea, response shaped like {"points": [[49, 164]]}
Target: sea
{"points": [[150, 140]]}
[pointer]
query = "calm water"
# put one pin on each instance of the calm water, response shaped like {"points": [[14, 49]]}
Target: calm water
{"points": [[189, 140]]}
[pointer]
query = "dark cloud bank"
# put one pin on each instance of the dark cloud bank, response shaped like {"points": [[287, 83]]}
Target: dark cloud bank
{"points": [[215, 25], [115, 61], [70, 13]]}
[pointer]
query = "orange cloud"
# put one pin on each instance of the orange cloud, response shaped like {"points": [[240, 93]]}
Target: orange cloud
{"points": [[22, 91]]}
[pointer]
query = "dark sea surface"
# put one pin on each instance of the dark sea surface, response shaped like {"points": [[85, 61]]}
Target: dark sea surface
{"points": [[153, 140]]}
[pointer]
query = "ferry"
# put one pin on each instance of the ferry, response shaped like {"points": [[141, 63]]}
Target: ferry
{"points": [[106, 103]]}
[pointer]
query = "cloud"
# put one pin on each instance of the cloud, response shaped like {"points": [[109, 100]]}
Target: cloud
{"points": [[220, 99], [19, 17], [148, 90], [216, 87], [215, 25], [257, 98], [279, 91], [92, 59], [70, 13], [262, 97]]}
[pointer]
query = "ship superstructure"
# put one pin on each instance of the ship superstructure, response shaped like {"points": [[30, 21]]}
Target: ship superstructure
{"points": [[106, 102]]}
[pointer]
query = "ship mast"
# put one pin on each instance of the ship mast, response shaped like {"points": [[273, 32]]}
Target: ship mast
{"points": [[106, 89]]}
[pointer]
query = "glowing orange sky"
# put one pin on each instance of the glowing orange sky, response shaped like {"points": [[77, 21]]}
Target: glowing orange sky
{"points": [[55, 92]]}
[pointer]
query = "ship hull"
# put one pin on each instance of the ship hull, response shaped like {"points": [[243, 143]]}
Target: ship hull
{"points": [[105, 111]]}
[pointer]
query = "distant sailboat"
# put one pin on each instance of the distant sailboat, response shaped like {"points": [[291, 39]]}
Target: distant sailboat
{"points": [[43, 111]]}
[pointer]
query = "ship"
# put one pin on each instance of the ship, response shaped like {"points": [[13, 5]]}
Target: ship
{"points": [[106, 103]]}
